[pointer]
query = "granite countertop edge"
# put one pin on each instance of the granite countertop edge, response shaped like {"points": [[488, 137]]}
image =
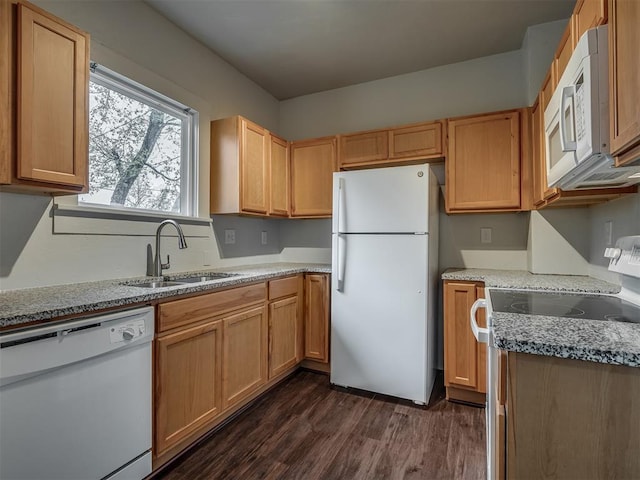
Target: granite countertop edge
{"points": [[22, 307], [597, 341]]}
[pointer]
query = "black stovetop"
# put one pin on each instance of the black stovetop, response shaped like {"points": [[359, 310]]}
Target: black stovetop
{"points": [[593, 307]]}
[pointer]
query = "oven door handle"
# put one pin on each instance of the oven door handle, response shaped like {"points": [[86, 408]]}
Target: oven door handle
{"points": [[481, 334]]}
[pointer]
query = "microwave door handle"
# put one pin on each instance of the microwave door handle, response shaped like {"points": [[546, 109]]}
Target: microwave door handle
{"points": [[566, 144]]}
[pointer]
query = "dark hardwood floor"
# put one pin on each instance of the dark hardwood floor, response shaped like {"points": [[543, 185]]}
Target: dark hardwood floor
{"points": [[304, 429]]}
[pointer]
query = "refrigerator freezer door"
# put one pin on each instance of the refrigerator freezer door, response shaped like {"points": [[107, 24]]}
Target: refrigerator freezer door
{"points": [[381, 200], [379, 316]]}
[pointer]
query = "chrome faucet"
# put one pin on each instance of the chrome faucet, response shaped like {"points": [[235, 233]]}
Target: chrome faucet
{"points": [[182, 243]]}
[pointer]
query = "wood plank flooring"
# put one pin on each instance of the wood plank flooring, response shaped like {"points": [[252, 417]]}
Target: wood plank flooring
{"points": [[304, 429]]}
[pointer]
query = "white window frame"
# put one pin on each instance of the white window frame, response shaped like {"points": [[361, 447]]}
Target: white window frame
{"points": [[189, 140]]}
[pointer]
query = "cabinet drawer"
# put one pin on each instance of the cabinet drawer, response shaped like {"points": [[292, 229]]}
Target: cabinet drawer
{"points": [[188, 310], [283, 287]]}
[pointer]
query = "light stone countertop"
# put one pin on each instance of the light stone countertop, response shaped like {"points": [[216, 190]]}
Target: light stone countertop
{"points": [[611, 342], [21, 307]]}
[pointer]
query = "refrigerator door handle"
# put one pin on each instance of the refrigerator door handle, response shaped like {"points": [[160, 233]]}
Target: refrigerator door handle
{"points": [[341, 248], [341, 206]]}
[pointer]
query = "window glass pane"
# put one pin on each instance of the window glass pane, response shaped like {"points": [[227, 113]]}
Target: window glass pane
{"points": [[135, 153]]}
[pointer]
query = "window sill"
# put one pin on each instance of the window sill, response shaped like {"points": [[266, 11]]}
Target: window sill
{"points": [[93, 220]]}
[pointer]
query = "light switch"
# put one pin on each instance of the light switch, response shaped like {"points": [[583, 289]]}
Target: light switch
{"points": [[229, 237], [263, 238], [485, 235]]}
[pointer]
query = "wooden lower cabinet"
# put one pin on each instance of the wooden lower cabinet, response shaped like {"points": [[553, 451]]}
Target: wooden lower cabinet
{"points": [[571, 419], [188, 382], [464, 359], [316, 315], [244, 356], [216, 352]]}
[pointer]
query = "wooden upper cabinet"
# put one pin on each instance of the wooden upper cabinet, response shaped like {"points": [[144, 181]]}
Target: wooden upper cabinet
{"points": [[624, 79], [6, 100], [363, 148], [312, 165], [548, 86], [188, 382], [588, 14], [483, 164], [563, 54], [279, 200], [416, 141], [540, 190], [254, 168], [240, 173], [391, 146], [44, 77]]}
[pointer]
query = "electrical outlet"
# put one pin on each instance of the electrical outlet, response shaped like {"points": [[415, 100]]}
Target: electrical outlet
{"points": [[608, 232], [229, 237], [263, 238], [485, 235]]}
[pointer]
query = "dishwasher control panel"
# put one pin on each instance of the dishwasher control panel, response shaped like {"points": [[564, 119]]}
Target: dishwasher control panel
{"points": [[126, 331]]}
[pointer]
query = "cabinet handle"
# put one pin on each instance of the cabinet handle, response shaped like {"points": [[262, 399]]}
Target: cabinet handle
{"points": [[481, 334]]}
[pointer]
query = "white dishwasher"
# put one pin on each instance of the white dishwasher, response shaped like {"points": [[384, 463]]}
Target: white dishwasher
{"points": [[75, 399]]}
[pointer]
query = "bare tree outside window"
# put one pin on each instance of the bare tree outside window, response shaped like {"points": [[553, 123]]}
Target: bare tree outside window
{"points": [[136, 152]]}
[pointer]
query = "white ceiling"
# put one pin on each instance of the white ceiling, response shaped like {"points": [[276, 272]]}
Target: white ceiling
{"points": [[297, 47]]}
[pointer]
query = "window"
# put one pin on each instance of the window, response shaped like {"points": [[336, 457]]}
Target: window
{"points": [[142, 147]]}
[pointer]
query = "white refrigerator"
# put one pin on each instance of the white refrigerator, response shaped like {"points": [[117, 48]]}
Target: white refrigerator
{"points": [[384, 269]]}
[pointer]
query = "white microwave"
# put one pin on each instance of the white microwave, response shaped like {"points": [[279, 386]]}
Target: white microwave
{"points": [[576, 122]]}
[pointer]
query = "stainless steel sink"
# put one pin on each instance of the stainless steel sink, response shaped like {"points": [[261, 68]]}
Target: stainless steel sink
{"points": [[175, 281], [202, 278], [156, 284]]}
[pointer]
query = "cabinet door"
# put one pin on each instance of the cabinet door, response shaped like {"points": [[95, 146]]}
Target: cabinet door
{"points": [[316, 315], [419, 141], [362, 148], [481, 318], [6, 119], [624, 77], [312, 166], [188, 382], [461, 350], [548, 86], [52, 94], [563, 54], [483, 167], [244, 355], [283, 335], [588, 14], [254, 168], [279, 176]]}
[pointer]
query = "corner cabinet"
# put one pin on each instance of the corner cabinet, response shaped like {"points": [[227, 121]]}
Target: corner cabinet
{"points": [[316, 314], [624, 80], [483, 168], [464, 358], [312, 165], [44, 84]]}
